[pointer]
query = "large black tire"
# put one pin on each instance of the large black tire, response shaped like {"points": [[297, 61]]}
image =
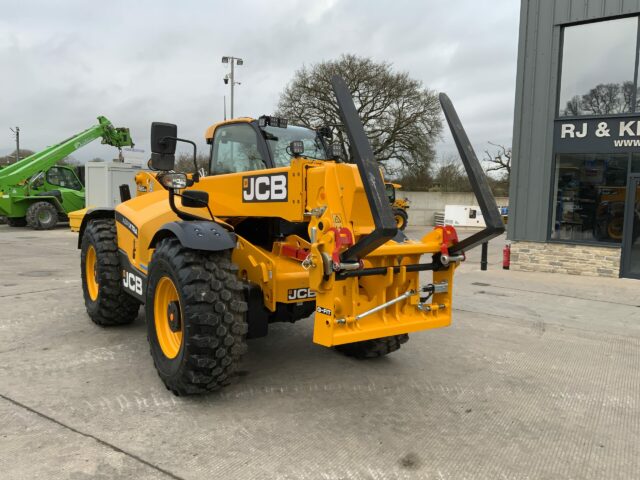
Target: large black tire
{"points": [[17, 222], [42, 216], [112, 305], [377, 347], [401, 217], [210, 305]]}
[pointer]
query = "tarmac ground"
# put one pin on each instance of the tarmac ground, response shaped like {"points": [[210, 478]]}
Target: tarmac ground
{"points": [[537, 378]]}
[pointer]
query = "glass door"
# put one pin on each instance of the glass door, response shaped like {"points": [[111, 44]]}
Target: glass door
{"points": [[630, 261]]}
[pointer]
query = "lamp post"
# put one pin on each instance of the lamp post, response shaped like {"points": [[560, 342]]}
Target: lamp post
{"points": [[230, 77], [16, 132]]}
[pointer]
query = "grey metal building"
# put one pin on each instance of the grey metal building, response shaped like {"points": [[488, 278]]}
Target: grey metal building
{"points": [[575, 184]]}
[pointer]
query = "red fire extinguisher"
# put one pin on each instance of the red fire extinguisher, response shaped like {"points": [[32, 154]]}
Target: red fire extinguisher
{"points": [[506, 257]]}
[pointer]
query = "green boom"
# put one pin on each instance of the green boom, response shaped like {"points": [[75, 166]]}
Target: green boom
{"points": [[21, 186]]}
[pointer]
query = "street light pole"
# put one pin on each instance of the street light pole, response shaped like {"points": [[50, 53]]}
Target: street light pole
{"points": [[233, 80], [230, 78], [17, 134]]}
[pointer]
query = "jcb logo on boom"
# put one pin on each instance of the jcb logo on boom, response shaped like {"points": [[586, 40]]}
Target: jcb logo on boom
{"points": [[265, 188], [132, 282], [300, 294]]}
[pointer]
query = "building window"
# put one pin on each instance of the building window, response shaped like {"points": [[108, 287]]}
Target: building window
{"points": [[598, 68], [589, 197]]}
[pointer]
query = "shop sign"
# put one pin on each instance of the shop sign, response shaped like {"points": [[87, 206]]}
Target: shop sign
{"points": [[597, 135]]}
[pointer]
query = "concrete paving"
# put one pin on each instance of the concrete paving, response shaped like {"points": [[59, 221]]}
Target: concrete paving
{"points": [[537, 378]]}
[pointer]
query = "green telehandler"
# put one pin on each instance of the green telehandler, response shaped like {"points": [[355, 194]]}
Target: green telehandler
{"points": [[36, 192]]}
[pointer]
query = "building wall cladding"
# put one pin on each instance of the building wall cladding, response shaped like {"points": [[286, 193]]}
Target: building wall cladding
{"points": [[535, 110], [573, 259], [535, 105]]}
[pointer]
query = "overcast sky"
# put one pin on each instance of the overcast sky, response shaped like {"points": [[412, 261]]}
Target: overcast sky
{"points": [[66, 62]]}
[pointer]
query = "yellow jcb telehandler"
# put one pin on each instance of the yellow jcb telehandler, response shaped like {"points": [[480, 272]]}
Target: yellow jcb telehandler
{"points": [[279, 230], [399, 206]]}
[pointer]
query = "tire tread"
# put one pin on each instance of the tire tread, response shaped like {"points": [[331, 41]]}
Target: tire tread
{"points": [[114, 306], [214, 327], [374, 348]]}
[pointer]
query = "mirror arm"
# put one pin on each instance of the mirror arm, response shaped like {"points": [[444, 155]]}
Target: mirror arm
{"points": [[182, 215], [196, 175], [201, 202]]}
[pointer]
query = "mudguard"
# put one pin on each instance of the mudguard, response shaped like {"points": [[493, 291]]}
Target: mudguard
{"points": [[92, 213], [198, 235]]}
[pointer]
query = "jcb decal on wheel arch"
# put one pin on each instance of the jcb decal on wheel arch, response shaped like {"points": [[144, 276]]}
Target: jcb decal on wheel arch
{"points": [[323, 311], [133, 281], [300, 294], [265, 188]]}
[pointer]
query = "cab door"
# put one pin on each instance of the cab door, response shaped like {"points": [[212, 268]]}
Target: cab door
{"points": [[238, 147], [64, 180]]}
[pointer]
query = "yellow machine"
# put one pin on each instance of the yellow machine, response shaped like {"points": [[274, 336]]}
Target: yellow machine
{"points": [[278, 231], [399, 206]]}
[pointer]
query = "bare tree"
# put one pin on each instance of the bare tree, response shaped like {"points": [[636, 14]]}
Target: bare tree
{"points": [[603, 99], [573, 106], [400, 116], [70, 161], [499, 161], [11, 157], [184, 162], [449, 175]]}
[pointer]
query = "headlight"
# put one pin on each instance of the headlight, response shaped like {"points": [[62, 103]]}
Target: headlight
{"points": [[174, 180]]}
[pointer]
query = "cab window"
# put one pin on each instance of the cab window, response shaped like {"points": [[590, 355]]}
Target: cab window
{"points": [[278, 140], [63, 177], [391, 192], [235, 149]]}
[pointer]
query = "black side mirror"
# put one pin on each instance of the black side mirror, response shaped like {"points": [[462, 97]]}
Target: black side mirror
{"points": [[195, 198], [163, 146]]}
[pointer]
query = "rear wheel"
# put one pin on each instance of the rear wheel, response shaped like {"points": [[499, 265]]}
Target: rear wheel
{"points": [[401, 218], [17, 222], [377, 347], [42, 216], [104, 296], [195, 317]]}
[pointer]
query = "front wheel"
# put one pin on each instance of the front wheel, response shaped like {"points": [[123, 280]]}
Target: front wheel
{"points": [[195, 310], [42, 216], [401, 218]]}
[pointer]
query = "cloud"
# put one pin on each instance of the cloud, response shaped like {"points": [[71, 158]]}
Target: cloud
{"points": [[138, 62]]}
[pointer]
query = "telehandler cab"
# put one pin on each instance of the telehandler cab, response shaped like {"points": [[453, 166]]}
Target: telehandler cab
{"points": [[278, 230]]}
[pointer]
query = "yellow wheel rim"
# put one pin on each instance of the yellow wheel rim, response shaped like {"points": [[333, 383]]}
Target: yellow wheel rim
{"points": [[399, 221], [91, 273], [167, 312], [614, 229]]}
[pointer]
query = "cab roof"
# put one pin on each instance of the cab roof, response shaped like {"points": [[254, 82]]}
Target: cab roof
{"points": [[208, 134]]}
